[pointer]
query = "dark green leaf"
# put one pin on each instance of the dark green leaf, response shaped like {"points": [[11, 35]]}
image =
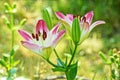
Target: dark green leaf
{"points": [[14, 6], [3, 63], [6, 57], [113, 74], [72, 72], [12, 52]]}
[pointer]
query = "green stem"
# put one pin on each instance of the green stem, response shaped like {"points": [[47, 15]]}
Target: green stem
{"points": [[12, 26], [111, 72], [56, 54], [119, 68], [12, 41], [94, 76], [73, 55], [51, 63]]}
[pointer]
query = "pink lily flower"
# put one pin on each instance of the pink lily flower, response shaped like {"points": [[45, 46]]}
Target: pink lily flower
{"points": [[43, 38], [85, 22]]}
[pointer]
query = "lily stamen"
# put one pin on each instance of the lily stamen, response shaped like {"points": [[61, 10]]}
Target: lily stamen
{"points": [[44, 35], [84, 19], [33, 36], [39, 33], [37, 37]]}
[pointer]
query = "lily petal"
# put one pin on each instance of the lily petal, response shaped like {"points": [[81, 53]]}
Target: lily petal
{"points": [[96, 23], [31, 46], [55, 29], [58, 36], [89, 16], [60, 15], [41, 25], [70, 17], [25, 35]]}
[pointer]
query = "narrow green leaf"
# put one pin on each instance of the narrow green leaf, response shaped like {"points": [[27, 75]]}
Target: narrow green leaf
{"points": [[47, 18], [16, 63], [60, 63], [7, 7], [6, 21], [22, 22], [110, 52], [14, 8], [6, 57], [60, 69], [76, 30], [3, 63], [103, 56]]}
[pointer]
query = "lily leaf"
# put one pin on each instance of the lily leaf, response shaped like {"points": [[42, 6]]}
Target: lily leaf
{"points": [[103, 56], [22, 22], [16, 62], [72, 72], [6, 21], [47, 18], [7, 7], [60, 69], [60, 63]]}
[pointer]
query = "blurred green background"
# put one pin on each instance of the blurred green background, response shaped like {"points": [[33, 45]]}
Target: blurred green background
{"points": [[102, 38]]}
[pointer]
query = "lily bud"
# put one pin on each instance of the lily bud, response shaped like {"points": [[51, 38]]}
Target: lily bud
{"points": [[76, 30]]}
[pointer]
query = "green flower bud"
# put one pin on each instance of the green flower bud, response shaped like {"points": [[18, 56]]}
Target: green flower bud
{"points": [[76, 30]]}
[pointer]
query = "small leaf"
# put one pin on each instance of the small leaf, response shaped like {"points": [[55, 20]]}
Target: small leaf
{"points": [[47, 18], [16, 47], [6, 57], [3, 63], [110, 53], [12, 71], [103, 56], [68, 55], [113, 74], [76, 30], [72, 72], [6, 21], [7, 7], [112, 59], [22, 22], [16, 63], [60, 63], [14, 8], [12, 52], [60, 69]]}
